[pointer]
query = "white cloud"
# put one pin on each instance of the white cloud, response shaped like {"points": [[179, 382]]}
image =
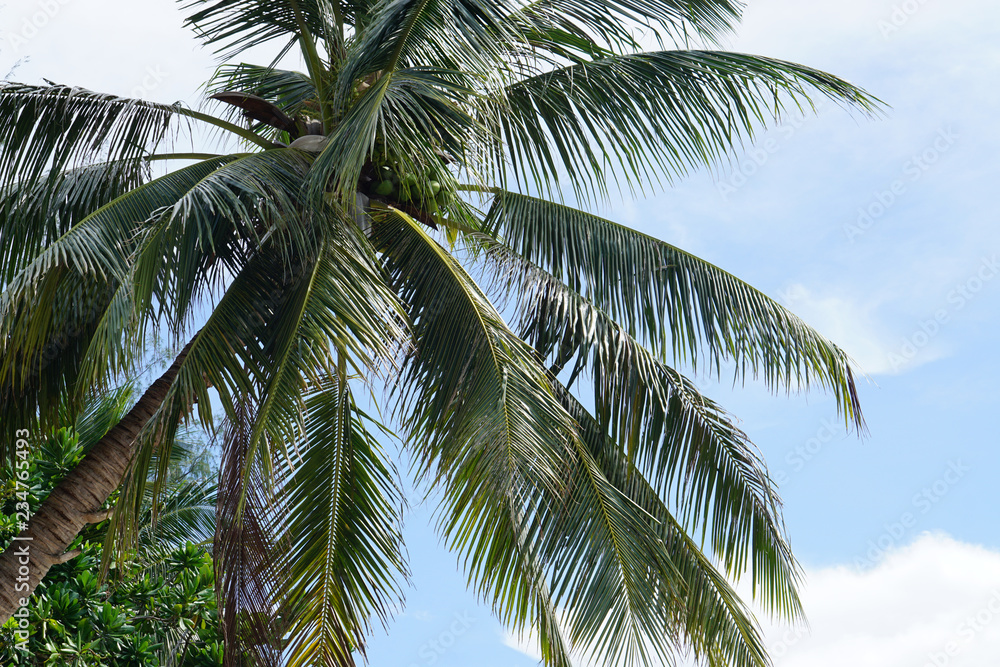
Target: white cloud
{"points": [[934, 603], [936, 596]]}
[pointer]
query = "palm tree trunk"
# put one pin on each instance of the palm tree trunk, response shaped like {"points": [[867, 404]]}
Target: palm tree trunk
{"points": [[77, 500]]}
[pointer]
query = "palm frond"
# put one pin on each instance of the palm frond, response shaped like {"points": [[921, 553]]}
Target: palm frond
{"points": [[222, 355], [672, 301], [189, 245], [273, 329], [185, 514], [49, 129], [609, 571], [100, 414], [616, 23], [685, 444], [703, 612], [338, 306], [482, 415], [466, 36], [345, 560], [33, 216], [245, 552], [634, 119], [497, 401], [234, 26], [213, 227], [51, 311]]}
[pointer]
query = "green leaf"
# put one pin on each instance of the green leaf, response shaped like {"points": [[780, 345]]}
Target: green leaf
{"points": [[636, 118], [672, 301], [345, 561], [53, 128]]}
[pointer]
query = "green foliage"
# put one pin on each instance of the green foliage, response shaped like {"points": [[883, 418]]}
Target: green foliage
{"points": [[156, 607], [140, 616]]}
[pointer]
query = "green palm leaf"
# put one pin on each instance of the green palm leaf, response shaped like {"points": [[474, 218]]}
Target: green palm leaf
{"points": [[498, 403], [507, 465], [338, 305], [704, 613], [53, 128], [683, 443], [637, 117], [185, 513], [234, 26], [345, 561], [34, 216], [611, 21], [672, 301], [53, 312], [211, 229]]}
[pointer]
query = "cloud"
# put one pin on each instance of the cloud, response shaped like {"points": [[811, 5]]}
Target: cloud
{"points": [[934, 603]]}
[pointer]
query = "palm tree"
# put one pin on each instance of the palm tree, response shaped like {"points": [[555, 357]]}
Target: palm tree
{"points": [[392, 219]]}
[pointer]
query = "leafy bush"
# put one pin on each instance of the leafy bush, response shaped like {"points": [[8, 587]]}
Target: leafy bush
{"points": [[156, 608]]}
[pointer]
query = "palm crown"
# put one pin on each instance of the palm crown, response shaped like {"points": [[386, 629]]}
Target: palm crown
{"points": [[388, 196]]}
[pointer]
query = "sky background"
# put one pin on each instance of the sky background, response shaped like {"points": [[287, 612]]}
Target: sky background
{"points": [[882, 233]]}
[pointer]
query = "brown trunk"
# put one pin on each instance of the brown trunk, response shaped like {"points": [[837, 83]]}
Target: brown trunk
{"points": [[77, 500]]}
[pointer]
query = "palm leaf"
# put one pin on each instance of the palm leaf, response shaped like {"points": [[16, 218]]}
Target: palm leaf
{"points": [[344, 561], [34, 216], [703, 612], [246, 574], [185, 514], [672, 301], [613, 21], [498, 397], [53, 128], [53, 311], [234, 26], [637, 117], [211, 229], [506, 463], [460, 35], [685, 444], [338, 305]]}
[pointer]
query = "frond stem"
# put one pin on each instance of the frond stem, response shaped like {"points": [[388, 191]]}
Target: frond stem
{"points": [[226, 125], [314, 63], [182, 156], [394, 58]]}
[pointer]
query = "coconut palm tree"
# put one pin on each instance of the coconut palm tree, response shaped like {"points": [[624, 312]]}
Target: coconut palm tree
{"points": [[392, 219]]}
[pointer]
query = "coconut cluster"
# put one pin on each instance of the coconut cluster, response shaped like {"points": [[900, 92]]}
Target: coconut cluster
{"points": [[425, 191]]}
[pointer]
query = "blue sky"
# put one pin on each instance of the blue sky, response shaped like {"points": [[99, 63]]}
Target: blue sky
{"points": [[882, 233]]}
